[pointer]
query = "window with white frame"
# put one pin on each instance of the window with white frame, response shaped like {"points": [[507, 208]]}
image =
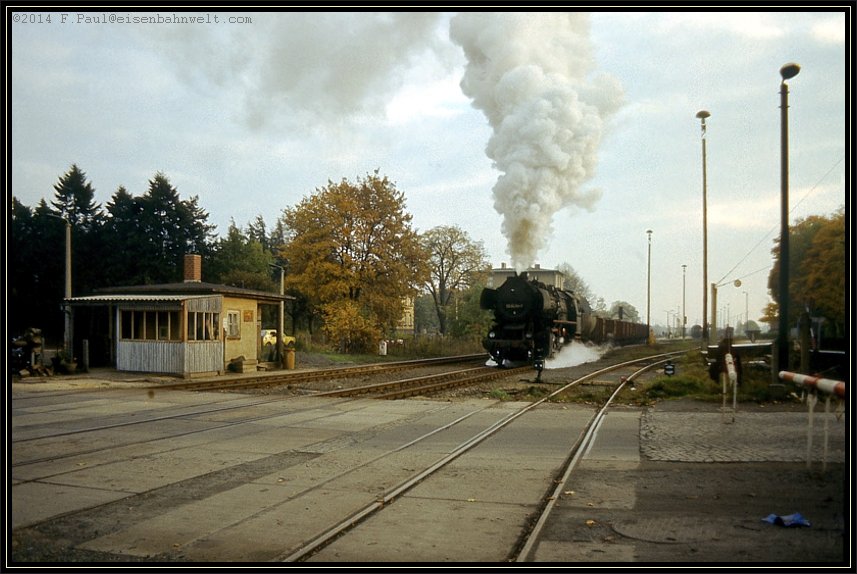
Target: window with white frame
{"points": [[233, 324]]}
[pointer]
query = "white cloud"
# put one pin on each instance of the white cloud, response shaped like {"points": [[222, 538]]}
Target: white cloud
{"points": [[435, 99], [830, 31], [756, 25], [176, 100]]}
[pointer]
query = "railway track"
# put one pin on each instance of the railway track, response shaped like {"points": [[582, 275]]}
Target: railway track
{"points": [[423, 385], [228, 383], [522, 549], [426, 385], [401, 461]]}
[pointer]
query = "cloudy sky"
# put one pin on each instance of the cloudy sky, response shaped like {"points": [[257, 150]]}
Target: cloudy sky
{"points": [[551, 138]]}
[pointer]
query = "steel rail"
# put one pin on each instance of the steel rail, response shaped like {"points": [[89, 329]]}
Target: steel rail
{"points": [[353, 519]]}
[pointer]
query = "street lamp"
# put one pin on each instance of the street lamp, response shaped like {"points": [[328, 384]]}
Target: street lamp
{"points": [[702, 114], [649, 286], [787, 72], [683, 301]]}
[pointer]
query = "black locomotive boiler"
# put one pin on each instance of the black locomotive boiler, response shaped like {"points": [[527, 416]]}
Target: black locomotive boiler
{"points": [[533, 321]]}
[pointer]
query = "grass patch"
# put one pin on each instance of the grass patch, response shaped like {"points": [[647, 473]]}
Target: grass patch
{"points": [[693, 381], [499, 394], [679, 386]]}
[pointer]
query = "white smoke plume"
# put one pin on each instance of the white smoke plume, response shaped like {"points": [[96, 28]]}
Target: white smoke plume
{"points": [[532, 75], [303, 68], [576, 353]]}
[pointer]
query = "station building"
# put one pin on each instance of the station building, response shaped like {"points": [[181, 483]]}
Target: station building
{"points": [[189, 328]]}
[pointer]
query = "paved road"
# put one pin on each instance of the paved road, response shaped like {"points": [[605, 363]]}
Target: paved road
{"points": [[697, 488], [681, 482]]}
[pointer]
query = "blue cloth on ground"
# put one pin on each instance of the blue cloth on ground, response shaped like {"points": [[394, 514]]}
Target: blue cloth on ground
{"points": [[795, 519]]}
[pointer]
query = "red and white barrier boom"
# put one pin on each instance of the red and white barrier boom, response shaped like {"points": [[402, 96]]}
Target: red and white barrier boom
{"points": [[827, 385]]}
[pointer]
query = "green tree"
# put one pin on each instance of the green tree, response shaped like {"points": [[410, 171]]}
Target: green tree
{"points": [[257, 231], [600, 307], [136, 240], [242, 261], [425, 316], [468, 319], [151, 234], [353, 242], [43, 247], [628, 313], [74, 202], [125, 245], [37, 241], [573, 282], [23, 268], [816, 272], [456, 262]]}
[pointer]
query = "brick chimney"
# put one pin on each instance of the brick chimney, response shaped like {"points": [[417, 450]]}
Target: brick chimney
{"points": [[192, 268]]}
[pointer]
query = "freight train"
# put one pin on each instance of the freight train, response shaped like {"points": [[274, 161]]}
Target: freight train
{"points": [[532, 321]]}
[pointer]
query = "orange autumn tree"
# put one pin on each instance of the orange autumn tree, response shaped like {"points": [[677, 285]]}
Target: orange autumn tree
{"points": [[353, 254]]}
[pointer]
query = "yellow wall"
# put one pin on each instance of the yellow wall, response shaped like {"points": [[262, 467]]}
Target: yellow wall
{"points": [[247, 343]]}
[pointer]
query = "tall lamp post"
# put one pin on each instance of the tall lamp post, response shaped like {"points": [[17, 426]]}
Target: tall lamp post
{"points": [[280, 353], [787, 72], [67, 336], [702, 114], [649, 289], [683, 301]]}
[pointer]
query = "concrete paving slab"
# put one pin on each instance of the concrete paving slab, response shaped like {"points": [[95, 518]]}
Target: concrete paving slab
{"points": [[140, 436], [263, 439], [278, 531], [617, 438], [576, 553], [145, 473], [190, 522], [33, 502], [527, 484], [419, 531], [609, 490], [352, 420]]}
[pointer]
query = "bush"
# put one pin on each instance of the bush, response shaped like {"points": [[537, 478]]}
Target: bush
{"points": [[354, 333]]}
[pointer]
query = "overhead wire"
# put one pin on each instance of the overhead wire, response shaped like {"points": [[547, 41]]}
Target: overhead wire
{"points": [[807, 194]]}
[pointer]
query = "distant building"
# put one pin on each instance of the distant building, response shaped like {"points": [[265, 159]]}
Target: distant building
{"points": [[189, 328], [405, 326], [547, 276]]}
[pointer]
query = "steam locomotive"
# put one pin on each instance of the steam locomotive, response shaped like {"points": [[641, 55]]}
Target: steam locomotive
{"points": [[532, 321]]}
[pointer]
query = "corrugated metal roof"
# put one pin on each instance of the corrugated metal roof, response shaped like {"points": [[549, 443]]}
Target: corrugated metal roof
{"points": [[192, 287], [132, 298]]}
